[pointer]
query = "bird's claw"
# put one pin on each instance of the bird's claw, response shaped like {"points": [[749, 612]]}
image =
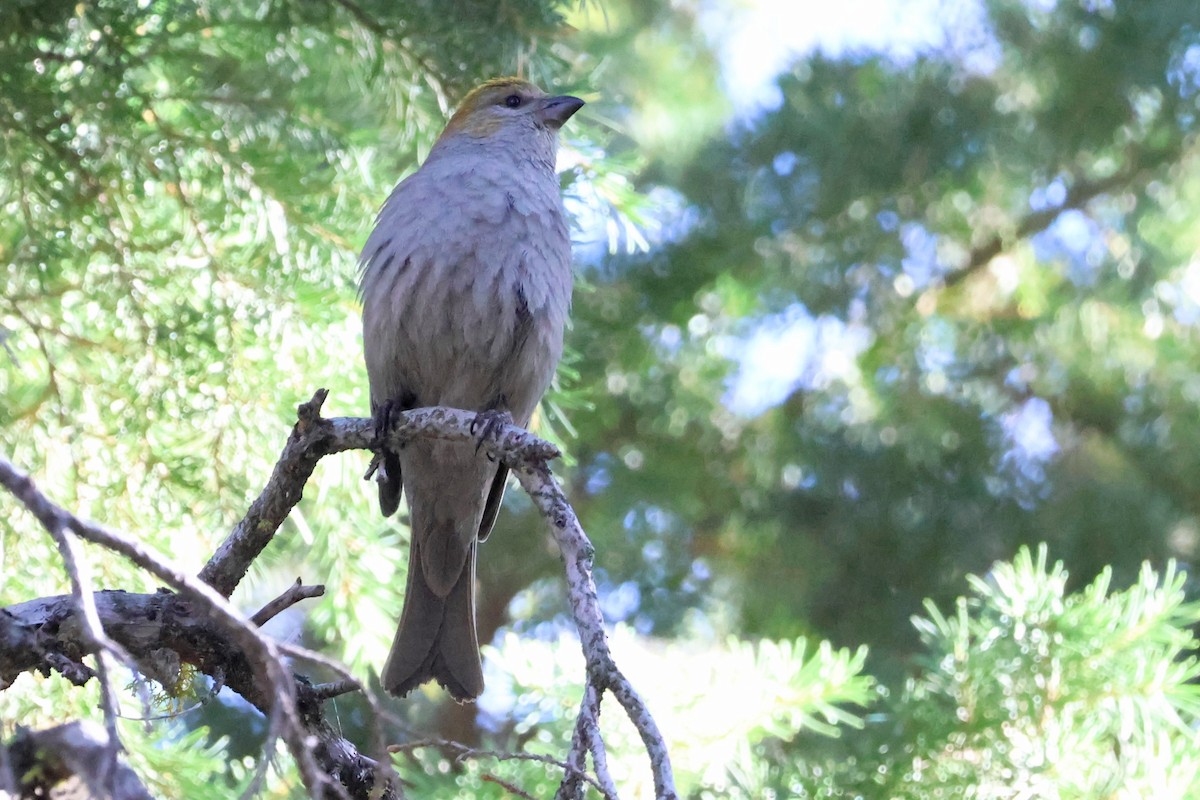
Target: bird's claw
{"points": [[489, 425], [385, 420]]}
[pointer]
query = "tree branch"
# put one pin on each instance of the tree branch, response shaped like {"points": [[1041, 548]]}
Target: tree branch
{"points": [[1138, 169], [603, 673], [148, 624], [314, 437], [204, 629], [269, 686], [37, 761], [307, 444]]}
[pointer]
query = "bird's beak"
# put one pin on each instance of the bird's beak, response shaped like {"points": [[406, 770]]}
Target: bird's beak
{"points": [[557, 110]]}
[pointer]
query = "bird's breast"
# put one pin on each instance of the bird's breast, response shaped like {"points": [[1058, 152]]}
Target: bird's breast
{"points": [[466, 276]]}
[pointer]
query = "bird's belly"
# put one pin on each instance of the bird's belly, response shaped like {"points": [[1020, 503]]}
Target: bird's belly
{"points": [[471, 349]]}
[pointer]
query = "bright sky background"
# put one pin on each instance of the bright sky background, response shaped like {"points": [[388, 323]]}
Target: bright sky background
{"points": [[757, 39]]}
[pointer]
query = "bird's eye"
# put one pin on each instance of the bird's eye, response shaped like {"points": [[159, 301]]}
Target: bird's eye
{"points": [[513, 101]]}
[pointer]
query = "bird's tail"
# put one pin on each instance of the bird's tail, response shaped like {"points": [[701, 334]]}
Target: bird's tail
{"points": [[389, 483], [436, 639]]}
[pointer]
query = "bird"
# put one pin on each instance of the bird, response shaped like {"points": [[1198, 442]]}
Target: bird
{"points": [[465, 285]]}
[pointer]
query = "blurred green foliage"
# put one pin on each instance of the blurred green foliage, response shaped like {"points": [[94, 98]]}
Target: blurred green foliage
{"points": [[829, 358], [922, 312], [1028, 691]]}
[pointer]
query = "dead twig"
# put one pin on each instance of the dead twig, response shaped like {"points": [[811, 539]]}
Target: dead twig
{"points": [[463, 752], [292, 595]]}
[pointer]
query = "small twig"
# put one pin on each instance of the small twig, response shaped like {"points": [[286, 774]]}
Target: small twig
{"points": [[463, 752], [169, 715], [328, 691], [292, 595], [510, 788], [596, 742]]}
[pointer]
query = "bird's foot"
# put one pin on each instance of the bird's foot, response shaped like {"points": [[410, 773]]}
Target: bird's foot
{"points": [[489, 425], [386, 414]]}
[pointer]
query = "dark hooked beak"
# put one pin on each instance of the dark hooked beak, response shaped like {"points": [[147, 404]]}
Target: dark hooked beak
{"points": [[557, 110]]}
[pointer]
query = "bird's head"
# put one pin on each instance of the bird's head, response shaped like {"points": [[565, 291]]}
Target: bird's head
{"points": [[509, 110]]}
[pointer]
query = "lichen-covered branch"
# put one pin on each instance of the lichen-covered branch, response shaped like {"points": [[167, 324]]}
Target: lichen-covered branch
{"points": [[312, 438], [584, 740], [603, 673], [308, 443]]}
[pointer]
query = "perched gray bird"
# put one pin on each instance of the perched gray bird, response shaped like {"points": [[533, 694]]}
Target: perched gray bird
{"points": [[466, 285]]}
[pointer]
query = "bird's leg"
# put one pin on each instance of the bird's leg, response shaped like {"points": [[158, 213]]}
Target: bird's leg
{"points": [[488, 424], [385, 415]]}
